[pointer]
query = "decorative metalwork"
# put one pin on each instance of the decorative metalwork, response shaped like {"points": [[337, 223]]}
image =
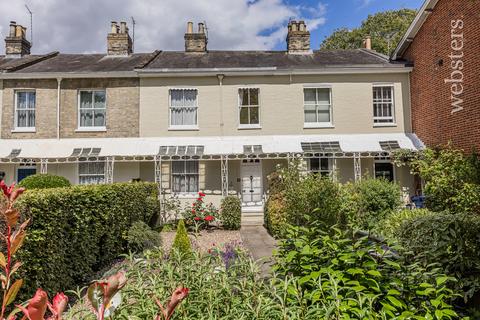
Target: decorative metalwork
{"points": [[357, 162], [158, 173], [109, 165], [44, 166], [224, 165]]}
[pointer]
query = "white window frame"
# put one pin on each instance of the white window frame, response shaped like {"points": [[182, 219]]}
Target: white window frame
{"points": [[15, 116], [184, 173], [170, 107], [328, 172], [392, 119], [317, 124], [249, 126], [384, 161], [93, 127], [80, 175]]}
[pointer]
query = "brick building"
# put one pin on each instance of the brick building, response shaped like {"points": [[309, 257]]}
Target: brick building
{"points": [[443, 43]]}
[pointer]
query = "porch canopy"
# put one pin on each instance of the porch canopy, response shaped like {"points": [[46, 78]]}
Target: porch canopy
{"points": [[204, 148]]}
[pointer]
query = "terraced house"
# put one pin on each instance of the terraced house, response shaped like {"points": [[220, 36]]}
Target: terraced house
{"points": [[200, 120]]}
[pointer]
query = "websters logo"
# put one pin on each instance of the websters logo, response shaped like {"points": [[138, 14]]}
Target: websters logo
{"points": [[456, 57]]}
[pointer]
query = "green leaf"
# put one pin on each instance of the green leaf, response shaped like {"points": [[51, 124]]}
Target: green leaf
{"points": [[442, 280], [374, 273], [395, 301]]}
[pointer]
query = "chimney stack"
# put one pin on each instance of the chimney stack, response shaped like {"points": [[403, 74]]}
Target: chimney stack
{"points": [[298, 38], [367, 43], [119, 42], [16, 43], [196, 42]]}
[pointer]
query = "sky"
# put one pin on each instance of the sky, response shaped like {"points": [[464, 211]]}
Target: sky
{"points": [[81, 26]]}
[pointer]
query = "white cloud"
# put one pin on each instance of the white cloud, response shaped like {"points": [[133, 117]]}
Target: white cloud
{"points": [[82, 26]]}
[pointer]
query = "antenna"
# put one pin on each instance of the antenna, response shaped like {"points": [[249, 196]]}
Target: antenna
{"points": [[31, 24], [133, 33]]}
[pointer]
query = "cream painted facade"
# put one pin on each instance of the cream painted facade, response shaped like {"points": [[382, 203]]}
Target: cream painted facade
{"points": [[281, 104]]}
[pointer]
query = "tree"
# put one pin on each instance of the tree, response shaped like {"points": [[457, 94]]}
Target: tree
{"points": [[386, 29]]}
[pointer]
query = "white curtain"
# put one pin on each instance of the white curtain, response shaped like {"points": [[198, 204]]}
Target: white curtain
{"points": [[183, 107], [25, 109]]}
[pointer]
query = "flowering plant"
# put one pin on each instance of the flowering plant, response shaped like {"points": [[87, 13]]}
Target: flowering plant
{"points": [[200, 214]]}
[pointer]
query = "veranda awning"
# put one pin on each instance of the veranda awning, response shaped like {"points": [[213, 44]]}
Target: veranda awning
{"points": [[146, 149]]}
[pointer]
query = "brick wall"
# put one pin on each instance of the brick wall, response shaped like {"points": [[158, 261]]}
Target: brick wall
{"points": [[122, 108], [432, 116]]}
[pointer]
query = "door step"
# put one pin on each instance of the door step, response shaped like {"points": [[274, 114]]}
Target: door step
{"points": [[252, 220]]}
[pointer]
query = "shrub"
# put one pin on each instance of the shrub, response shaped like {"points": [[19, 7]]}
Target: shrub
{"points": [[44, 181], [370, 200], [350, 277], [182, 243], [276, 216], [231, 213], [77, 231], [200, 214], [453, 241], [141, 237], [389, 227]]}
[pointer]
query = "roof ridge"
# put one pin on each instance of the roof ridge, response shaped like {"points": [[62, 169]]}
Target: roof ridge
{"points": [[148, 60], [375, 54], [31, 62]]}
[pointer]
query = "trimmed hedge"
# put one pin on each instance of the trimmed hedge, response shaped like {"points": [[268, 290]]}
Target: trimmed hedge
{"points": [[453, 241], [44, 181], [77, 231], [231, 213]]}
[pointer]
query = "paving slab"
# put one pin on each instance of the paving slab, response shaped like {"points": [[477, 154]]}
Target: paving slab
{"points": [[260, 244]]}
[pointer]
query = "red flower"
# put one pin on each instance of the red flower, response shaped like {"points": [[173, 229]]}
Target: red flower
{"points": [[197, 218], [193, 210], [199, 199], [201, 194], [209, 218]]}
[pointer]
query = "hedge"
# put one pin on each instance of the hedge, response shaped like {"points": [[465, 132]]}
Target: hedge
{"points": [[231, 213], [44, 181], [77, 231]]}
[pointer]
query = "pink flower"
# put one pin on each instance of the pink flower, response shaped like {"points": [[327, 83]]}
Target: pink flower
{"points": [[197, 218]]}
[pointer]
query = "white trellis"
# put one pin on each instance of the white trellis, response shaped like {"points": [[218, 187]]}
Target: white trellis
{"points": [[357, 162], [109, 165], [224, 168]]}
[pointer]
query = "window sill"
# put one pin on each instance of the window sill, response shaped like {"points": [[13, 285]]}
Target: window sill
{"points": [[384, 125], [183, 128], [92, 129], [24, 130], [249, 127], [318, 126]]}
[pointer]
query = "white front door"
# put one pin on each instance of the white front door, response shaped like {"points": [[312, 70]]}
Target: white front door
{"points": [[252, 189]]}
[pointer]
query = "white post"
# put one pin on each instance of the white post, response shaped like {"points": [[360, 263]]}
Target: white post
{"points": [[334, 169], [43, 166], [158, 174], [109, 172], [224, 173], [357, 166]]}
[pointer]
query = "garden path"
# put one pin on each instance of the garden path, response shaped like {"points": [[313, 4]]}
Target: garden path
{"points": [[260, 244]]}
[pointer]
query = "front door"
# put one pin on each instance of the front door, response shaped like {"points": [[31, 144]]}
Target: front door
{"points": [[22, 173], [252, 189]]}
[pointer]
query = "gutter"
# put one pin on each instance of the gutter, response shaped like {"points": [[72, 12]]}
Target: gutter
{"points": [[69, 75]]}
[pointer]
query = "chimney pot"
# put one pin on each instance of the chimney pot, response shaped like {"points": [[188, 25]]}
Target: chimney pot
{"points": [[195, 42], [16, 43], [298, 38], [367, 43], [189, 27], [119, 42]]}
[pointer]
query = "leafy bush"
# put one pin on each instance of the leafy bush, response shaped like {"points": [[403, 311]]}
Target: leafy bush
{"points": [[200, 214], [44, 181], [182, 242], [370, 200], [141, 237], [389, 227], [295, 194], [349, 277], [231, 213], [77, 231], [453, 241]]}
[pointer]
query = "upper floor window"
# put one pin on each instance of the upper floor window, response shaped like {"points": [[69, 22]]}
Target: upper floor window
{"points": [[383, 104], [249, 107], [183, 108], [91, 172], [317, 106], [92, 109], [185, 176], [25, 102]]}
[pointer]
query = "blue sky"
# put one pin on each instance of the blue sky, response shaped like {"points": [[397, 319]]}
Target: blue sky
{"points": [[81, 26], [349, 13]]}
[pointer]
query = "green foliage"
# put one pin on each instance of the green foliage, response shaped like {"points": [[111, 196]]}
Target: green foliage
{"points": [[44, 181], [450, 180], [390, 226], [350, 277], [453, 241], [182, 243], [386, 29], [141, 237], [77, 231], [200, 214], [295, 194], [370, 200], [231, 213]]}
